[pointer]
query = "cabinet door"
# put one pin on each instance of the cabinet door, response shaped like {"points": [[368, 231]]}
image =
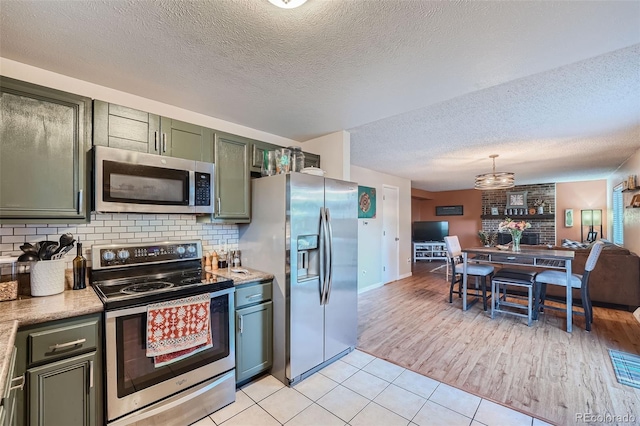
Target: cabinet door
{"points": [[232, 179], [185, 140], [44, 136], [257, 151], [311, 160], [63, 392], [125, 128], [254, 347]]}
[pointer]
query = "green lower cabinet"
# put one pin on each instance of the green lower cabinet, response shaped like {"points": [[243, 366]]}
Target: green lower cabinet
{"points": [[61, 361], [63, 392], [254, 340]]}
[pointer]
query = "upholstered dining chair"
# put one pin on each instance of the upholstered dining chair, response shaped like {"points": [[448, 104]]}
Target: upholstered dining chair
{"points": [[577, 281], [476, 270]]}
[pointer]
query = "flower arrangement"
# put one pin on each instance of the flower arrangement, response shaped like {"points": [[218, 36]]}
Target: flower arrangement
{"points": [[515, 228], [539, 202]]}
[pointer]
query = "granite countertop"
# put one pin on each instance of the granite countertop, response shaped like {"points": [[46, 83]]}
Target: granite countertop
{"points": [[34, 310], [241, 278]]}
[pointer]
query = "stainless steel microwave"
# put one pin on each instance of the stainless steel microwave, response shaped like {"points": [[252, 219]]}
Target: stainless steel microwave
{"points": [[129, 181]]}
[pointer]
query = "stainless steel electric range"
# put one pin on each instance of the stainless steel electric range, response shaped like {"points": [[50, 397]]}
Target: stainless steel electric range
{"points": [[129, 277]]}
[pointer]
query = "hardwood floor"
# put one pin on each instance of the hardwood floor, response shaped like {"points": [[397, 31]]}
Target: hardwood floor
{"points": [[541, 370]]}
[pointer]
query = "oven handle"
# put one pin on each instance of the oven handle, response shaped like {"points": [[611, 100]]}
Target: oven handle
{"points": [[138, 309]]}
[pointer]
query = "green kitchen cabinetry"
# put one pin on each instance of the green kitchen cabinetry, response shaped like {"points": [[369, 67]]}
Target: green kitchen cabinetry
{"points": [[232, 182], [45, 135], [121, 127], [62, 364], [254, 330]]}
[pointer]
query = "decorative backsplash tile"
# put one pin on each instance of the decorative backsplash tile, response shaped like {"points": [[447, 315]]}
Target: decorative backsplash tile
{"points": [[121, 228]]}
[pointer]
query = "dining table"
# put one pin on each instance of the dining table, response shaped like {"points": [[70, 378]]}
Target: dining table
{"points": [[529, 256]]}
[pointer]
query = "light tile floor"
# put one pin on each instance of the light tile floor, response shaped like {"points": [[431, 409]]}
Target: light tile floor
{"points": [[362, 390]]}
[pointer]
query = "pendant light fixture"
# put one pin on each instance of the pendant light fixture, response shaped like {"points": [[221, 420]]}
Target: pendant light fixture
{"points": [[287, 4], [495, 180]]}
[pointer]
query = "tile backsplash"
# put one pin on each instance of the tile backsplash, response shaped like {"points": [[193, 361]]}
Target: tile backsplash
{"points": [[121, 228]]}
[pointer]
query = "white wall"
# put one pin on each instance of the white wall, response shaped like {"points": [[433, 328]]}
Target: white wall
{"points": [[20, 71], [335, 153], [370, 230], [631, 216]]}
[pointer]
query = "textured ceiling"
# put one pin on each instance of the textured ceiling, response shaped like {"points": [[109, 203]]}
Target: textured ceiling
{"points": [[428, 90]]}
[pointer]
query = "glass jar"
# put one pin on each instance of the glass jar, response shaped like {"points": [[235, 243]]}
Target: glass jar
{"points": [[268, 163], [297, 158], [283, 160]]}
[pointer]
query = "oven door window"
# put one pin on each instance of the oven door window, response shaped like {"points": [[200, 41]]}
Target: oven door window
{"points": [[136, 371], [130, 183]]}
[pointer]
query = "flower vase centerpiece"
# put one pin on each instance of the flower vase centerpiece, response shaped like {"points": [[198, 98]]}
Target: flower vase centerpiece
{"points": [[515, 228]]}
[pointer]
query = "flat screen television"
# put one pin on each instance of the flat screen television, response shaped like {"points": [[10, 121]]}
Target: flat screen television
{"points": [[430, 231]]}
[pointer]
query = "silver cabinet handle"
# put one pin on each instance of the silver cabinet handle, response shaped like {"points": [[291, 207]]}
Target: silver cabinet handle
{"points": [[240, 323], [90, 374], [155, 140], [21, 385], [219, 205], [66, 345], [253, 296], [164, 142], [80, 206]]}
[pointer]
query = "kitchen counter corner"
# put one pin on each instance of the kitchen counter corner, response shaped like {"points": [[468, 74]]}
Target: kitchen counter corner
{"points": [[253, 275], [36, 310]]}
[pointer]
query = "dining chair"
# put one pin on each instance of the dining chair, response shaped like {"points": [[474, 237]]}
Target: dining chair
{"points": [[457, 269], [577, 281]]}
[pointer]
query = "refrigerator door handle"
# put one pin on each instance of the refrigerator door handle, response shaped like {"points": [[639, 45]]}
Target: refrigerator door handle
{"points": [[323, 234], [330, 260]]}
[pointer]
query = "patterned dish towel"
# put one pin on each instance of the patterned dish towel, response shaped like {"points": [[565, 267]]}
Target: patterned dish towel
{"points": [[177, 329]]}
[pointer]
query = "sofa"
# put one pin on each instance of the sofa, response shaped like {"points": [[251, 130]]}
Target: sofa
{"points": [[614, 281]]}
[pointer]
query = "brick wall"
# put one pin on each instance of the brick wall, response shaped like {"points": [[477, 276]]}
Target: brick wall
{"points": [[546, 228], [122, 228]]}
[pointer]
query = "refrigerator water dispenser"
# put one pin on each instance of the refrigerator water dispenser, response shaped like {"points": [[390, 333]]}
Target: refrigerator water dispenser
{"points": [[308, 257]]}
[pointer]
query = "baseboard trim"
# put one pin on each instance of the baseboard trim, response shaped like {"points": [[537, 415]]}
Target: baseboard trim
{"points": [[370, 287], [407, 275]]}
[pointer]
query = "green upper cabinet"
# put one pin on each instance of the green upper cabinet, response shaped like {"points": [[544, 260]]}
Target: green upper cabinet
{"points": [[232, 184], [127, 128], [44, 138], [186, 140]]}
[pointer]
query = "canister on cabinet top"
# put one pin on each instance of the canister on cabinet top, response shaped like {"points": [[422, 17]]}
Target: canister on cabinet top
{"points": [[297, 158]]}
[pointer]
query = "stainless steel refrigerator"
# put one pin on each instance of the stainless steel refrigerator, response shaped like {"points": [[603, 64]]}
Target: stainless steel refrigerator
{"points": [[304, 230]]}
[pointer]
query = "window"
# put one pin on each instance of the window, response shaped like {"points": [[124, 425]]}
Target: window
{"points": [[618, 216]]}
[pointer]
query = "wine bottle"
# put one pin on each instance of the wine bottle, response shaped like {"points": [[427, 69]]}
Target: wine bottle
{"points": [[79, 270]]}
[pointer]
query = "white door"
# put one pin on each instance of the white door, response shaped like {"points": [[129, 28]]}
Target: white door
{"points": [[390, 240]]}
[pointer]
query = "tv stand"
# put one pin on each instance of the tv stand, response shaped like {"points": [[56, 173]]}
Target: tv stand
{"points": [[429, 250]]}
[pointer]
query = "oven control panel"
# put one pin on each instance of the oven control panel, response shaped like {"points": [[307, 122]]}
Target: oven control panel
{"points": [[117, 255]]}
